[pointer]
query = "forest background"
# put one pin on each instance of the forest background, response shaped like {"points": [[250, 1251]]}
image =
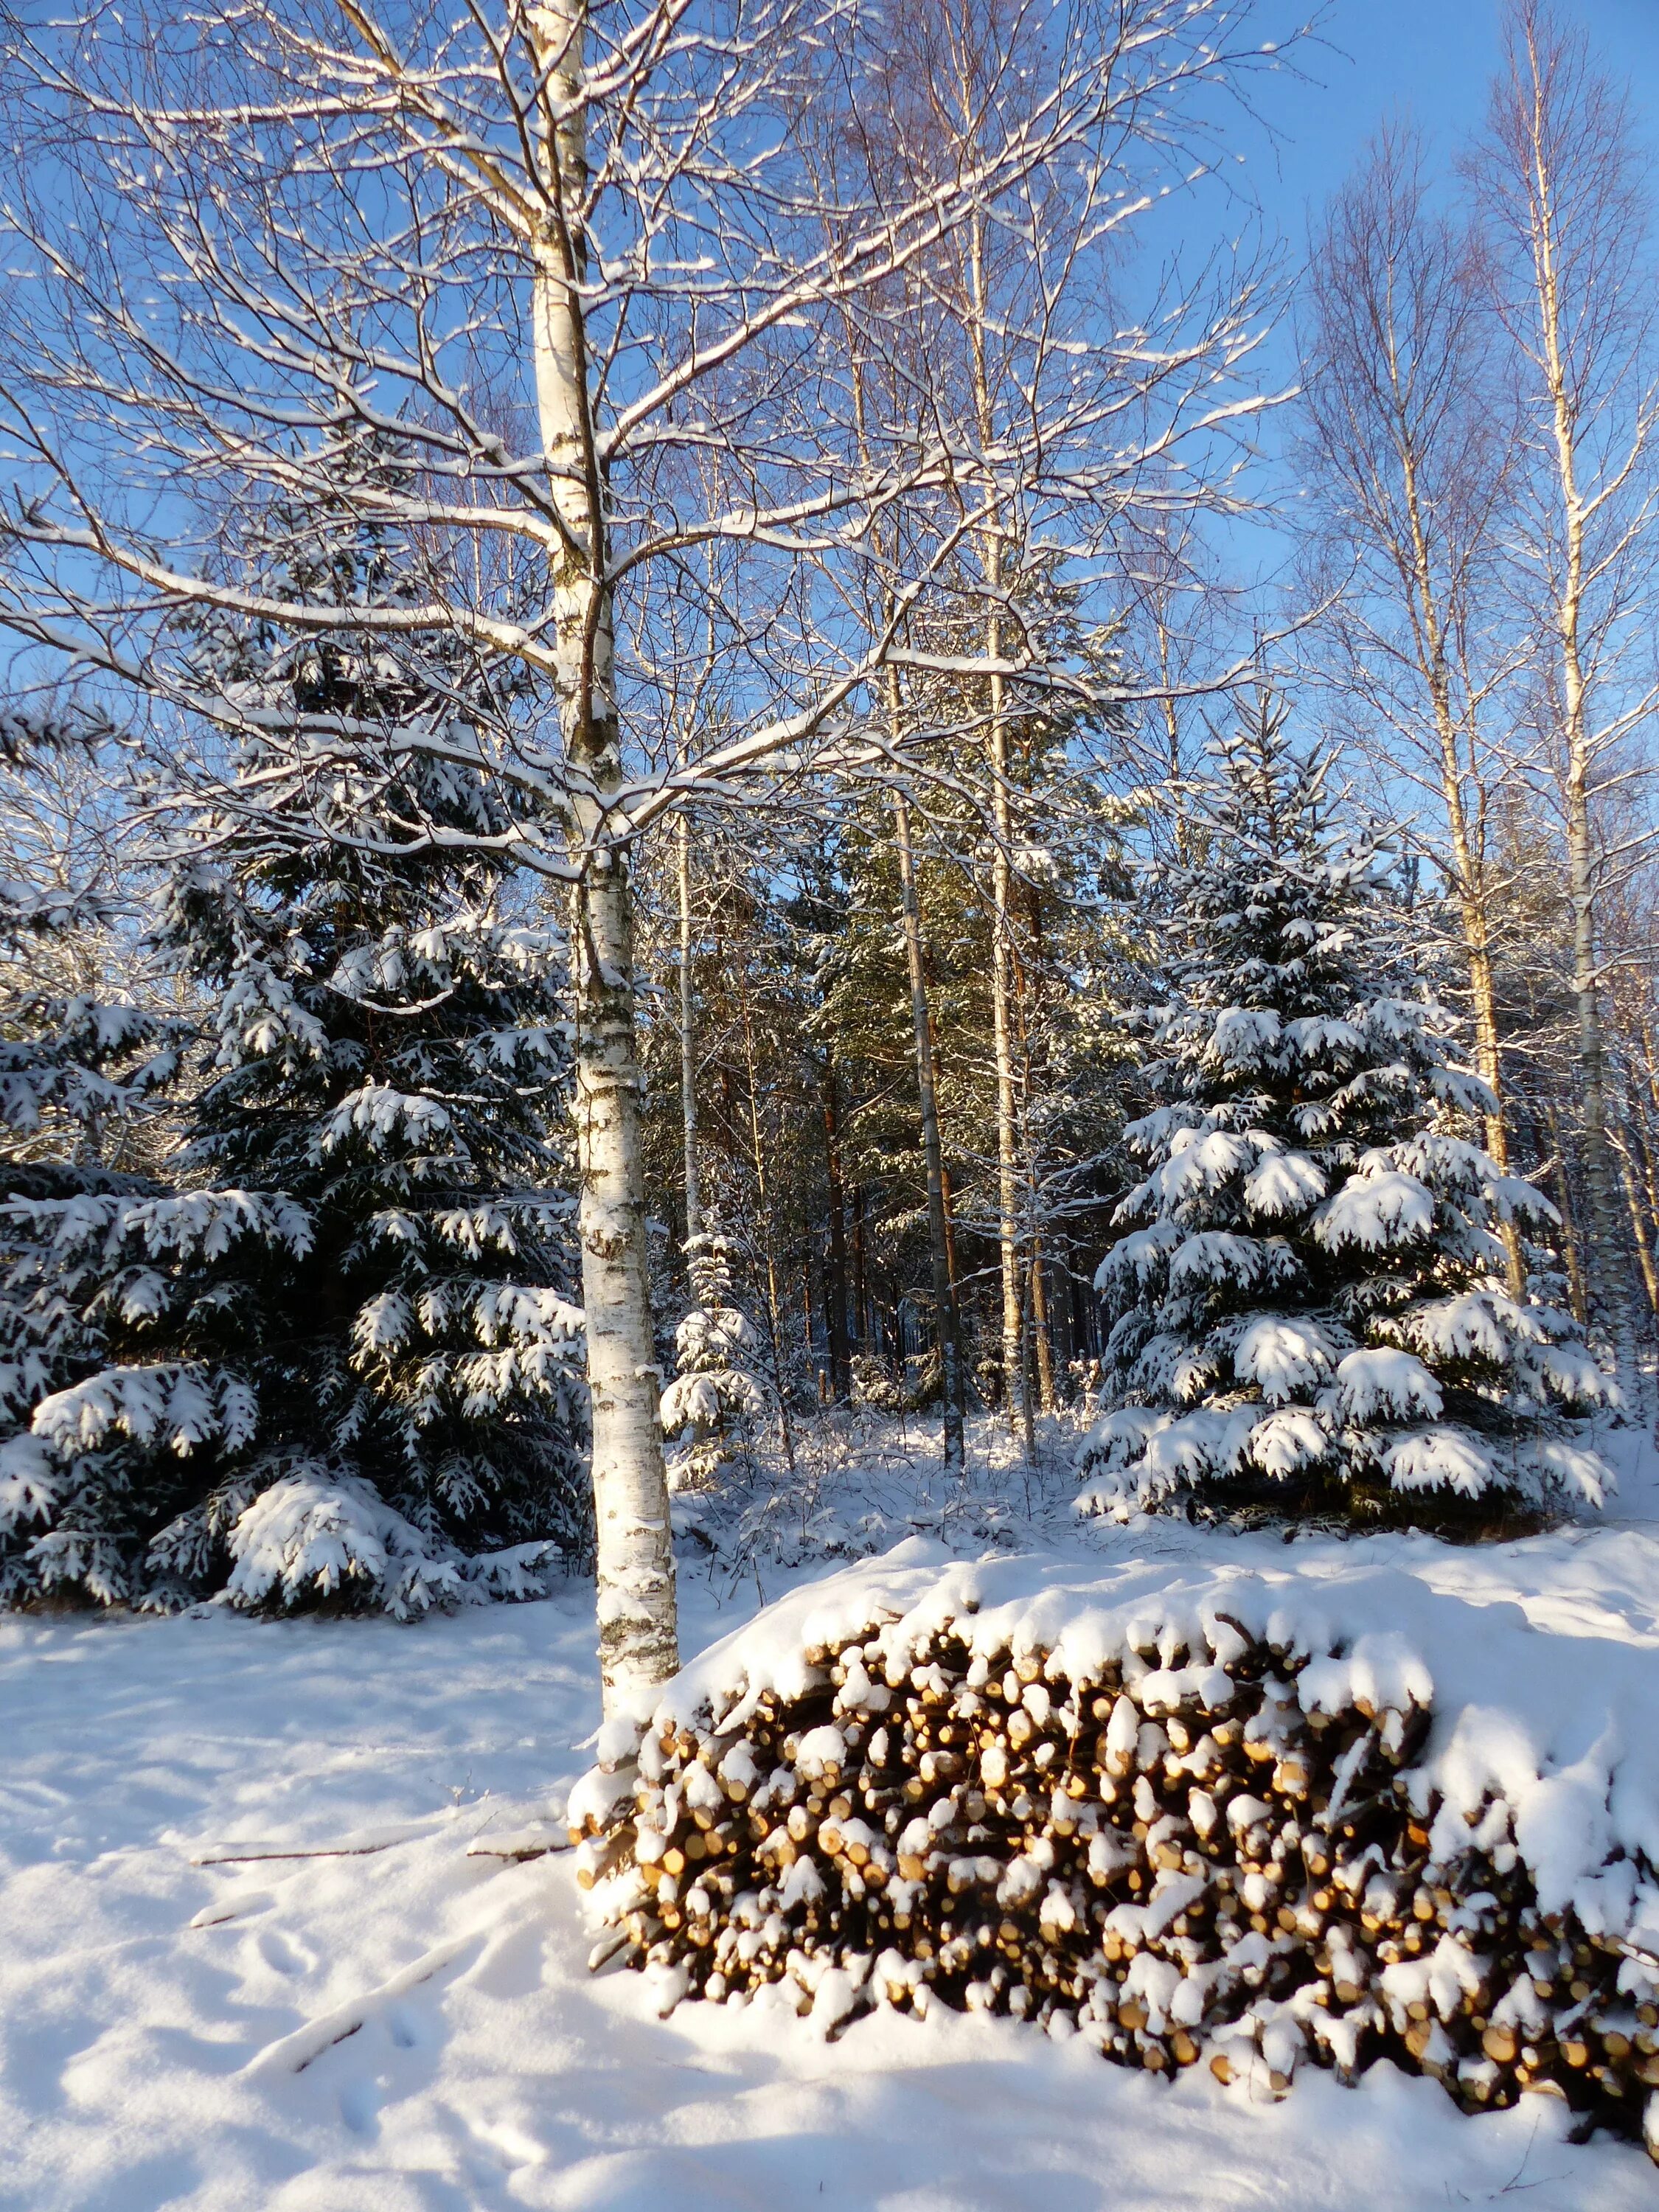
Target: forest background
{"points": [[913, 735]]}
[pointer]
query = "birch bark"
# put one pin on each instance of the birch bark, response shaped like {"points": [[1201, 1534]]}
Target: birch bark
{"points": [[635, 1558], [836, 1287], [688, 1034], [1607, 1274], [1002, 1033], [1567, 210], [1469, 864], [1409, 459]]}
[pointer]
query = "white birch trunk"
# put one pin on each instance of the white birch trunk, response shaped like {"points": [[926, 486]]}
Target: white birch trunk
{"points": [[1607, 1272], [638, 1628], [687, 1039], [1002, 1034]]}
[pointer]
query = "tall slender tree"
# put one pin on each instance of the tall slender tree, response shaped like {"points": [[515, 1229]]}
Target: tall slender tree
{"points": [[1563, 198], [1410, 454]]}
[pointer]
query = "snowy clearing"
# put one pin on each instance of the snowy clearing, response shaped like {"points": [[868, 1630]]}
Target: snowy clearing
{"points": [[187, 2018]]}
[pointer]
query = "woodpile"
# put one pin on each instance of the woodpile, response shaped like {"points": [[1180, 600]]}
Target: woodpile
{"points": [[1175, 1859]]}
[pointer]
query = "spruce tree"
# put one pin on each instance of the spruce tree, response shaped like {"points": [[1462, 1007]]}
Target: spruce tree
{"points": [[339, 1359], [81, 1068], [710, 1409], [1308, 1308]]}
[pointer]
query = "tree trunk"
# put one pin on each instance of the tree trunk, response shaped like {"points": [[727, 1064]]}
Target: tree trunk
{"points": [[1002, 976], [687, 1038], [947, 1200], [1471, 901], [861, 1272], [835, 1286], [810, 1319], [1039, 1369], [1027, 1391], [638, 1627], [637, 1617], [1489, 1064], [1649, 1181], [1606, 1273], [1577, 1293], [1045, 1350], [946, 1331], [769, 1247], [1002, 1032], [1633, 1200], [1468, 863]]}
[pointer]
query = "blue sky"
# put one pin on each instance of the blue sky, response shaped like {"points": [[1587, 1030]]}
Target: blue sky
{"points": [[1429, 60], [1432, 58]]}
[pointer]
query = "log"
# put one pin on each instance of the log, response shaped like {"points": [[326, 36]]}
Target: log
{"points": [[1001, 1822]]}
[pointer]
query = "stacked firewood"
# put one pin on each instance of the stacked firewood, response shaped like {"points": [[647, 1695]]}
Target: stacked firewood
{"points": [[1190, 1854]]}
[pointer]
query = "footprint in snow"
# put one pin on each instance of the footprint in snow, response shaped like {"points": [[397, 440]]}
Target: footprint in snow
{"points": [[360, 2107], [279, 1954]]}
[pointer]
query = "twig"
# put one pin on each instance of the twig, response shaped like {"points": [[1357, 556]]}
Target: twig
{"points": [[292, 2054], [349, 1847]]}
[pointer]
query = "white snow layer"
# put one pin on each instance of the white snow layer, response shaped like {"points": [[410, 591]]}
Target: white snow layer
{"points": [[188, 2020], [1575, 1762]]}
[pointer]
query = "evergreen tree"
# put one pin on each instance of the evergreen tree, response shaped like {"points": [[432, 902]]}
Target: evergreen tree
{"points": [[79, 1069], [1309, 1307], [339, 1359], [710, 1408]]}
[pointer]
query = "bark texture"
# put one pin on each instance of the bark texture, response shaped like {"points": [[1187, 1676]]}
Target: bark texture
{"points": [[635, 1558]]}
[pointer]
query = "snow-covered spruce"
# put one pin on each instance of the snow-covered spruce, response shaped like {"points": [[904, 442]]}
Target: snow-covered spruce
{"points": [[1310, 1306], [78, 1073], [338, 1359], [1180, 1835], [710, 1409]]}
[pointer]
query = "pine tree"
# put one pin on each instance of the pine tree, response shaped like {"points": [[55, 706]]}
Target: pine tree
{"points": [[710, 1408], [1308, 1308], [339, 1359]]}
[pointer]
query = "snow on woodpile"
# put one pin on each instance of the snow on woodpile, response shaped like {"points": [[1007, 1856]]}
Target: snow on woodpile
{"points": [[1264, 1818]]}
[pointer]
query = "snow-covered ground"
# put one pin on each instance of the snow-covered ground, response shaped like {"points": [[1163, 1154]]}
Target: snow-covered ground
{"points": [[184, 2022]]}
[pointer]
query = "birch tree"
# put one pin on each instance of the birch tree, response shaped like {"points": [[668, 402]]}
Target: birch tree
{"points": [[1082, 407], [1408, 454], [1563, 198], [568, 265]]}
